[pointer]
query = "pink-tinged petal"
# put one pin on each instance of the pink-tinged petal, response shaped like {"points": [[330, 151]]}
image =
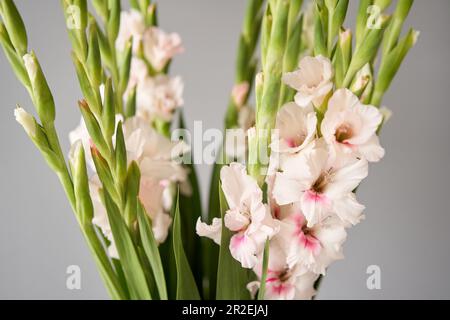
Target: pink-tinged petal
{"points": [[235, 220], [213, 231], [237, 185], [295, 127], [309, 242], [243, 249], [280, 291], [315, 207]]}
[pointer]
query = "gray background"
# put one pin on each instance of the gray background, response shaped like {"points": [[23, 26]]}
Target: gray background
{"points": [[407, 194]]}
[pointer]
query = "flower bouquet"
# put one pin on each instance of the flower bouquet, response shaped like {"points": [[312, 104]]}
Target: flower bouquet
{"points": [[283, 186]]}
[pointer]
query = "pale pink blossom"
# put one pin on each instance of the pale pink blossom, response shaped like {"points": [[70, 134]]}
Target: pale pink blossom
{"points": [[295, 128], [159, 97], [160, 47], [321, 188], [247, 216], [312, 81], [314, 247], [284, 282], [350, 128], [132, 25]]}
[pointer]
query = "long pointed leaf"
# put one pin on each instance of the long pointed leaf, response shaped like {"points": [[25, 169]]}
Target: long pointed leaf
{"points": [[132, 268], [186, 286], [152, 252]]}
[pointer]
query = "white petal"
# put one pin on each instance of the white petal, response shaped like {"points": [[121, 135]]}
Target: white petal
{"points": [[348, 209], [243, 249], [372, 150], [235, 221], [286, 189], [347, 178], [213, 231], [237, 185]]}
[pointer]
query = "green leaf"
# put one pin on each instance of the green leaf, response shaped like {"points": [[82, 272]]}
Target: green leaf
{"points": [[130, 106], [232, 279], [320, 47], [186, 286], [361, 21], [152, 252], [191, 207], [211, 250], [262, 288], [108, 111], [127, 252]]}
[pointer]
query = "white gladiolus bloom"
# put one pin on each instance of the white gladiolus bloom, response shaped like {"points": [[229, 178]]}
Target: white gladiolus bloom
{"points": [[284, 282], [132, 24], [26, 120], [160, 47], [159, 97], [317, 247], [247, 216], [321, 188], [349, 127], [295, 128], [312, 81]]}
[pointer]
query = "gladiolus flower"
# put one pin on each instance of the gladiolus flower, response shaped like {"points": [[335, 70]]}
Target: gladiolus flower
{"points": [[159, 97], [349, 127], [295, 128], [321, 188], [312, 81]]}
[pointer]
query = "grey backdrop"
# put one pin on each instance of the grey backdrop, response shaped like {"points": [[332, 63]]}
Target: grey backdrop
{"points": [[407, 194]]}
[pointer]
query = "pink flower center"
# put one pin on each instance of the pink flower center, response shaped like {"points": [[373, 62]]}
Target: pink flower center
{"points": [[295, 141], [278, 281], [306, 236]]}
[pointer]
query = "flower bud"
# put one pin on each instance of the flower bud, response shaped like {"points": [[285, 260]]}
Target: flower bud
{"points": [[80, 182], [42, 96], [15, 26], [26, 120]]}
